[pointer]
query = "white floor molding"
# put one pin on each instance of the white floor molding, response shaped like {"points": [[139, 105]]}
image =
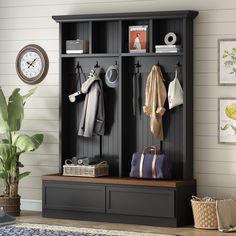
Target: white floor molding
{"points": [[31, 205]]}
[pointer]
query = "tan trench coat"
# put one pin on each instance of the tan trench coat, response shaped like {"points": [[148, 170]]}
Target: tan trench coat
{"points": [[155, 99]]}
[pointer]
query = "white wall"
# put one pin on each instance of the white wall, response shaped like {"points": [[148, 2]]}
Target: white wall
{"points": [[29, 21]]}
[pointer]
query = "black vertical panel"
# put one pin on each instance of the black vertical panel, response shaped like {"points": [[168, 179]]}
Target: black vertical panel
{"points": [[150, 36], [120, 37], [173, 128], [128, 121], [61, 40], [119, 101], [90, 37], [67, 115], [110, 141], [188, 98]]}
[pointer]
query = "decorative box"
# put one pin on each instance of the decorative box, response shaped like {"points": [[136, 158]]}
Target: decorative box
{"points": [[77, 46]]}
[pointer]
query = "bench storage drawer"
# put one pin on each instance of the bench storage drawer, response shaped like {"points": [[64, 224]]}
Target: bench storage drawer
{"points": [[140, 201], [76, 197]]}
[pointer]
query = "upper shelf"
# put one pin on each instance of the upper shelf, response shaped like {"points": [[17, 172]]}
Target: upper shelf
{"points": [[90, 55], [116, 33], [96, 55]]}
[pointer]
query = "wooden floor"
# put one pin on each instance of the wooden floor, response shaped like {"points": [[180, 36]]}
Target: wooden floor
{"points": [[35, 217]]}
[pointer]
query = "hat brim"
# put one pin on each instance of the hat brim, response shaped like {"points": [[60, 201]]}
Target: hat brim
{"points": [[112, 76]]}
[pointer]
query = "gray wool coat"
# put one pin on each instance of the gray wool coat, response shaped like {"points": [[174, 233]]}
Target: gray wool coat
{"points": [[93, 114]]}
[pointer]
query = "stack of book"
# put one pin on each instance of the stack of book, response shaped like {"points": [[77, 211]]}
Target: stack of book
{"points": [[168, 48]]}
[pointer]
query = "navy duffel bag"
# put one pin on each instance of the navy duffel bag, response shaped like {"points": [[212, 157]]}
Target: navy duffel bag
{"points": [[150, 165]]}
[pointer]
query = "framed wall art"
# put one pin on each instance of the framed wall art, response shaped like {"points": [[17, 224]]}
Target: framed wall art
{"points": [[227, 120], [227, 61]]}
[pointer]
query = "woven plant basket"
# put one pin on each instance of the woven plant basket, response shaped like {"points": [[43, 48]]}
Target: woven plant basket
{"points": [[204, 214], [11, 206]]}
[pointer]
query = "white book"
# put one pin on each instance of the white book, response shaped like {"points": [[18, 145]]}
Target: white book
{"points": [[167, 46], [172, 51], [168, 49]]}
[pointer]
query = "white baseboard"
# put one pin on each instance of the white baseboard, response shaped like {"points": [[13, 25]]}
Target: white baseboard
{"points": [[31, 205]]}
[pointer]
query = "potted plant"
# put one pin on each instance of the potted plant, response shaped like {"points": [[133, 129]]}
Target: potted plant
{"points": [[12, 145]]}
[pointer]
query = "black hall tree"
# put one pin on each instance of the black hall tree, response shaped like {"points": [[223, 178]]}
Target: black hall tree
{"points": [[118, 198]]}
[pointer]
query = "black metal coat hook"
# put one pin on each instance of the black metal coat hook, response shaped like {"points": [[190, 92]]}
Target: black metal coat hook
{"points": [[137, 65], [178, 64], [96, 65], [77, 68]]}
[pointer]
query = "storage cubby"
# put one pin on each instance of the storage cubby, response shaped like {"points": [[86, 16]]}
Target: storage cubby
{"points": [[125, 32], [73, 31], [73, 145], [105, 37], [140, 124], [125, 132], [163, 26]]}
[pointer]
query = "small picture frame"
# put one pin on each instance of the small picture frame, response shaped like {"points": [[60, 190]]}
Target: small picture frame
{"points": [[138, 38], [227, 61], [227, 120]]}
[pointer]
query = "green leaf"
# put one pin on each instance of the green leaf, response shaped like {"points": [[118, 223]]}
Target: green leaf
{"points": [[25, 97], [6, 151], [3, 113], [26, 143], [5, 141], [7, 156], [3, 175], [22, 175], [15, 110]]}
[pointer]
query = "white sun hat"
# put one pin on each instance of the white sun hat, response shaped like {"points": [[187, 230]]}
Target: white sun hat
{"points": [[112, 76]]}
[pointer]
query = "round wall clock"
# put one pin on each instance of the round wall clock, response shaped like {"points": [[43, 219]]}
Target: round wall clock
{"points": [[32, 64]]}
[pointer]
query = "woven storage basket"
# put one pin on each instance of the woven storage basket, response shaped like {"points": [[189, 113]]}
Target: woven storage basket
{"points": [[204, 214], [101, 169], [11, 205]]}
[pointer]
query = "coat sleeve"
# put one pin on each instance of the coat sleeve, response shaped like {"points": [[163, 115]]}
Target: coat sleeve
{"points": [[160, 110], [147, 108], [91, 112]]}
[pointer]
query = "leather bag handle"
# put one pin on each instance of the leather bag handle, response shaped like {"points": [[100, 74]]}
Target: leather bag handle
{"points": [[150, 148]]}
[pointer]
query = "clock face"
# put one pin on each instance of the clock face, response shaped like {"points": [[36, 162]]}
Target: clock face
{"points": [[32, 64]]}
